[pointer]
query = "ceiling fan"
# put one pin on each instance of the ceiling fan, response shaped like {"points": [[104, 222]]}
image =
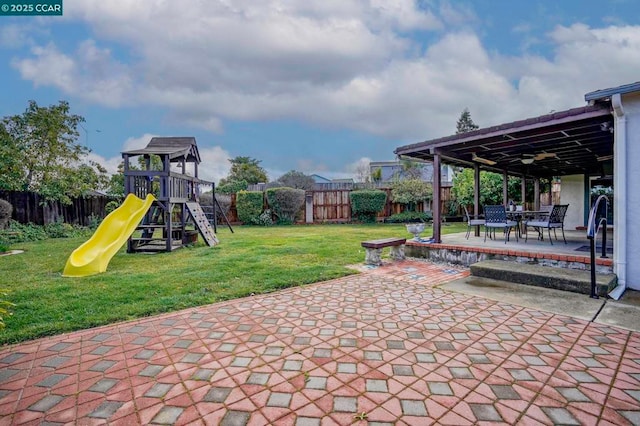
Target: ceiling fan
{"points": [[530, 158], [486, 161]]}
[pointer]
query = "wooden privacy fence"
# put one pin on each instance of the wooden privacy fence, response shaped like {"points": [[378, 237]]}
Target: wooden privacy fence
{"points": [[334, 205], [29, 207], [328, 206]]}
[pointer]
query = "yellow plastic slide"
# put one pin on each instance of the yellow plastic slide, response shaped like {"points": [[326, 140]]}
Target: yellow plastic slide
{"points": [[94, 255]]}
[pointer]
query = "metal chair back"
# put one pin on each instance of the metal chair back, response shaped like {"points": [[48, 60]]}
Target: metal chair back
{"points": [[495, 214], [557, 213]]}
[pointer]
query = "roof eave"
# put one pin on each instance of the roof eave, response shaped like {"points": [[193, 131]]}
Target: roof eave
{"points": [[603, 94]]}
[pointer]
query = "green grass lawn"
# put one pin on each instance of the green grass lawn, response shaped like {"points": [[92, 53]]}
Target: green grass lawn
{"points": [[251, 260]]}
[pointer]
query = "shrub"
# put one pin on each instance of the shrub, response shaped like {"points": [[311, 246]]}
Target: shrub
{"points": [[94, 221], [20, 233], [5, 213], [285, 202], [409, 217], [61, 230], [111, 206], [366, 203], [410, 192], [4, 247], [249, 206], [265, 218], [233, 187]]}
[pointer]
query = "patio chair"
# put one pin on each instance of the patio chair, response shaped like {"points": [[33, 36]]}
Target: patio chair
{"points": [[476, 220], [496, 218], [554, 220]]}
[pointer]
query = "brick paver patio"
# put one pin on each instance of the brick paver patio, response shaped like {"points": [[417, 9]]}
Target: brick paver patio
{"points": [[380, 348]]}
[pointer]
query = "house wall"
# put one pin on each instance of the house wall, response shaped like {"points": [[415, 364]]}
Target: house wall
{"points": [[572, 193], [631, 104]]}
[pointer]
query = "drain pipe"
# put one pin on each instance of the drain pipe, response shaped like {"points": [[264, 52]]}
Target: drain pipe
{"points": [[620, 185]]}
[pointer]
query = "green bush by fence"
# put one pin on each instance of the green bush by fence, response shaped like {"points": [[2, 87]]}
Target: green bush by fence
{"points": [[249, 205], [285, 203], [366, 203]]}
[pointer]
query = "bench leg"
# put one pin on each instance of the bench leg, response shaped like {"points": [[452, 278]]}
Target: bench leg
{"points": [[372, 256], [397, 252]]}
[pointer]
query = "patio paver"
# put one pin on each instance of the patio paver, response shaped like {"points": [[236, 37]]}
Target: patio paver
{"points": [[387, 345]]}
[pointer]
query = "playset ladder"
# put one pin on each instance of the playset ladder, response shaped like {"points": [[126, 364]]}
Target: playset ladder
{"points": [[203, 225]]}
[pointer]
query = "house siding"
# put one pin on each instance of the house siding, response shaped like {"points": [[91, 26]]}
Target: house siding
{"points": [[631, 104]]}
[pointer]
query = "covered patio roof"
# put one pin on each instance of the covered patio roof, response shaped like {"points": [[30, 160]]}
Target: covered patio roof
{"points": [[575, 141]]}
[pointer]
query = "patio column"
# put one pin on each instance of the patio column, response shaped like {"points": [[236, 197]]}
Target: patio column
{"points": [[476, 195], [437, 222], [523, 191], [505, 188], [536, 194]]}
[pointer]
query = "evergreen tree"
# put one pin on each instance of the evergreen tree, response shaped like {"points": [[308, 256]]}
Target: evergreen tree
{"points": [[245, 169], [465, 123]]}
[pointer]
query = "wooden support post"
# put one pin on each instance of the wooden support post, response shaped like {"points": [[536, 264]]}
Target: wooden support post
{"points": [[523, 191], [476, 196], [437, 218], [168, 226], [127, 179], [505, 188], [536, 194]]}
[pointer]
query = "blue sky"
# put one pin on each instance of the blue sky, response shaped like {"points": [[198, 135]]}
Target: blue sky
{"points": [[316, 86]]}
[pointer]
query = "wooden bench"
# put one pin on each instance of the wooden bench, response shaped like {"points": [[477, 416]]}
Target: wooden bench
{"points": [[374, 249]]}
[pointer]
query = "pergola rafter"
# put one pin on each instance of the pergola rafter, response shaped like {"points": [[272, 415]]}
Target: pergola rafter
{"points": [[580, 140]]}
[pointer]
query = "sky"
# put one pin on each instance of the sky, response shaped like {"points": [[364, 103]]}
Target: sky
{"points": [[317, 86]]}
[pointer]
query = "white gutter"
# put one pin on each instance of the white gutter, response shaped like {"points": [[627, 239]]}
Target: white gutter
{"points": [[620, 198]]}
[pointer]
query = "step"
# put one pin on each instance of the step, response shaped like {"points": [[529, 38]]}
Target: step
{"points": [[572, 280]]}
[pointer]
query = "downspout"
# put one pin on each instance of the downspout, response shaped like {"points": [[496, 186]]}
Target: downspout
{"points": [[620, 198]]}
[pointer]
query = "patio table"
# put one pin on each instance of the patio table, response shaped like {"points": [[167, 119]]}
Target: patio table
{"points": [[519, 215]]}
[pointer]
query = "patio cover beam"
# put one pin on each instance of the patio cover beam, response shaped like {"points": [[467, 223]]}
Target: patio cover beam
{"points": [[579, 138]]}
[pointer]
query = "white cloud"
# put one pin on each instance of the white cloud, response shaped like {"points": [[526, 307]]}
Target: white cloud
{"points": [[90, 72], [335, 63], [137, 142], [215, 163], [15, 36]]}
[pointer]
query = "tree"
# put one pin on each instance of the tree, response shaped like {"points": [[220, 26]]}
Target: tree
{"points": [[376, 174], [412, 169], [297, 180], [40, 153], [490, 188], [115, 185], [410, 192], [245, 168], [363, 172], [465, 123]]}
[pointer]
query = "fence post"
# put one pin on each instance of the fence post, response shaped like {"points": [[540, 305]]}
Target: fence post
{"points": [[308, 207]]}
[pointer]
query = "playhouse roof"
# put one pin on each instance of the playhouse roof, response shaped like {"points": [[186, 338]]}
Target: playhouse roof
{"points": [[176, 148]]}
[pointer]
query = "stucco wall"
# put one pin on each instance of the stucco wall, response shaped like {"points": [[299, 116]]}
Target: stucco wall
{"points": [[631, 104], [572, 193]]}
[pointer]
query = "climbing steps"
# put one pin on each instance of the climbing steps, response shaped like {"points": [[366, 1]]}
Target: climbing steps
{"points": [[202, 223]]}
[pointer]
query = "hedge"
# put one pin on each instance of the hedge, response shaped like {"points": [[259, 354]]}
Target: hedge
{"points": [[366, 203], [249, 206], [285, 202]]}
